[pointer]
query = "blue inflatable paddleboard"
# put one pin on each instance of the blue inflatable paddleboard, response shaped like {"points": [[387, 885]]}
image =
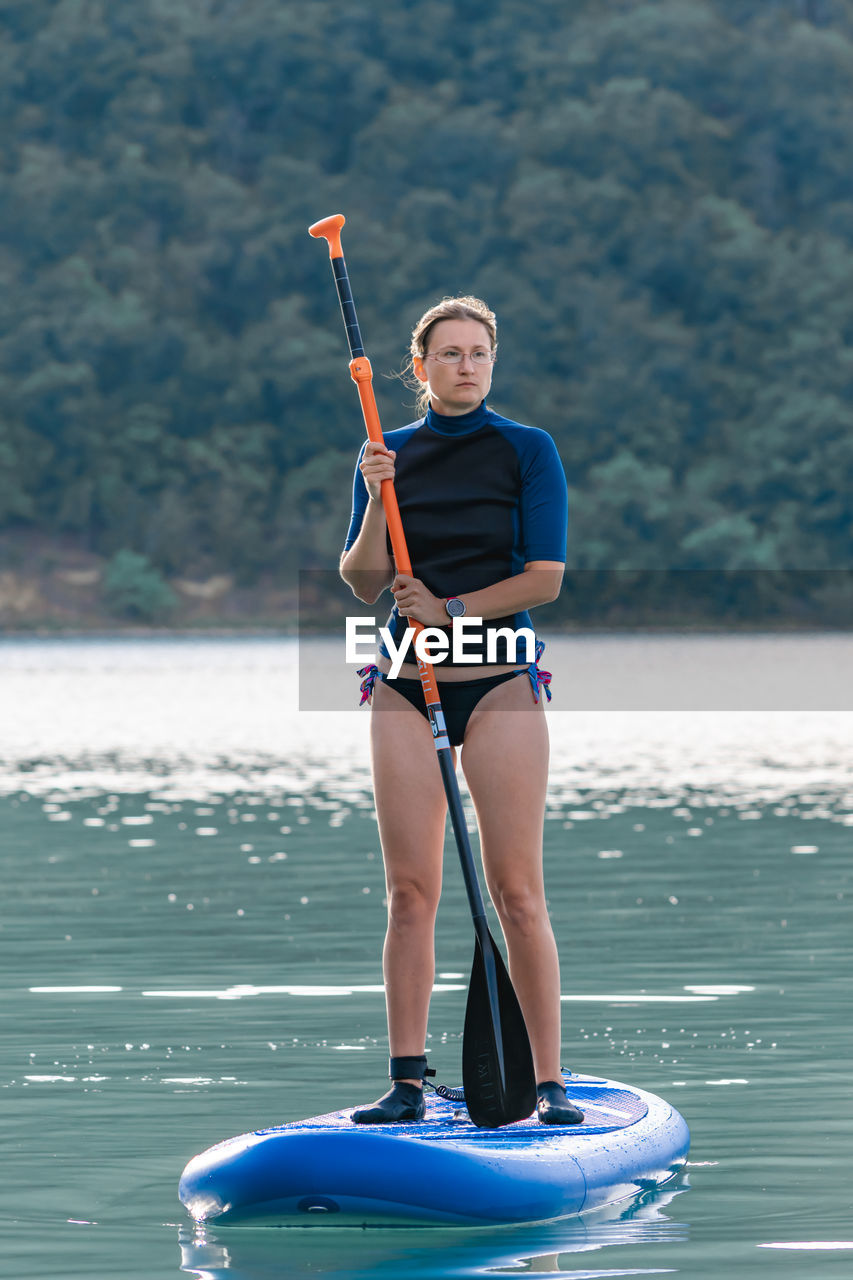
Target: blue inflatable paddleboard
{"points": [[444, 1169]]}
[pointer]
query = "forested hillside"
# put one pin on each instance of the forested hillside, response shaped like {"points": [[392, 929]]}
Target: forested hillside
{"points": [[656, 198]]}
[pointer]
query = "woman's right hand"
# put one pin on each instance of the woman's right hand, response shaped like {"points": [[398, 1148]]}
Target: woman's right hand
{"points": [[376, 465]]}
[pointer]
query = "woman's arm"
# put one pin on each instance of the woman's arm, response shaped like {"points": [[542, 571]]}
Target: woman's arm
{"points": [[538, 584], [367, 567]]}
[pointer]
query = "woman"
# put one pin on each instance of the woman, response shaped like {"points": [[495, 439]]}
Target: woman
{"points": [[483, 504]]}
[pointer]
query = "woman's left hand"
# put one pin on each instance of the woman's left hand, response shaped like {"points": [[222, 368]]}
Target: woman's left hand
{"points": [[415, 601]]}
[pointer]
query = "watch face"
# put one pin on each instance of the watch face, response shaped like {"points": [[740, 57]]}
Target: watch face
{"points": [[455, 608]]}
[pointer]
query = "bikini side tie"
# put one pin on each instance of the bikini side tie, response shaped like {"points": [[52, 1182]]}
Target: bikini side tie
{"points": [[370, 675], [539, 679]]}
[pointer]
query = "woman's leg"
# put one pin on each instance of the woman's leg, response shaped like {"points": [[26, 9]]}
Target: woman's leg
{"points": [[505, 761], [411, 809]]}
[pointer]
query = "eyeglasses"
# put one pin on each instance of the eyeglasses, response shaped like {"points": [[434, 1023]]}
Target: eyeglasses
{"points": [[452, 355]]}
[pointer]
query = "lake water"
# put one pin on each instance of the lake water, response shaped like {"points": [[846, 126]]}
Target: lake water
{"points": [[192, 914]]}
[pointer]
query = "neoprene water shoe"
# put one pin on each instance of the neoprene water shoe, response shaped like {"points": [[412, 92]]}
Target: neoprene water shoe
{"points": [[402, 1102], [552, 1105]]}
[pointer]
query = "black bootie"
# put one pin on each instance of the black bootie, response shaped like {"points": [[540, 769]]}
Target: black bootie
{"points": [[552, 1105], [403, 1103]]}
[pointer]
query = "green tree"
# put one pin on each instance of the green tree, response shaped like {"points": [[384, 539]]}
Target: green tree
{"points": [[134, 589]]}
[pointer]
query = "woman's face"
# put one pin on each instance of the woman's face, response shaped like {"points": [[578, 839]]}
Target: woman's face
{"points": [[455, 388]]}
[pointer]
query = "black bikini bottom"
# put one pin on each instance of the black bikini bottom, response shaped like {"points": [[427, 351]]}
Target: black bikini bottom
{"points": [[458, 700]]}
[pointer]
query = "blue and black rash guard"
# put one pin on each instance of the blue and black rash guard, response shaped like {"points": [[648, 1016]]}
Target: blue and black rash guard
{"points": [[480, 496]]}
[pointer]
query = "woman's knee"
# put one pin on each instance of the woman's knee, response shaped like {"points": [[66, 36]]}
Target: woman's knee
{"points": [[520, 907], [411, 904]]}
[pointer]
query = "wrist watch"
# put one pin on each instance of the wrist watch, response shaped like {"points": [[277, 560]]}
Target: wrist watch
{"points": [[454, 607]]}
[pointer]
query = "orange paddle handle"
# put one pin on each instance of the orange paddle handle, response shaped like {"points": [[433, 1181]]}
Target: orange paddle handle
{"points": [[330, 229]]}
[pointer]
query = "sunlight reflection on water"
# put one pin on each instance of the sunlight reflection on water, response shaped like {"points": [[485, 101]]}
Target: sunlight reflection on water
{"points": [[195, 717]]}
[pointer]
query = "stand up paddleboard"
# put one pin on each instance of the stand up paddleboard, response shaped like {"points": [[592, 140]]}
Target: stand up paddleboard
{"points": [[443, 1169]]}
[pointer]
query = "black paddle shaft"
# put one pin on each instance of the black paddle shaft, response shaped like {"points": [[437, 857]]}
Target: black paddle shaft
{"points": [[460, 830], [339, 267]]}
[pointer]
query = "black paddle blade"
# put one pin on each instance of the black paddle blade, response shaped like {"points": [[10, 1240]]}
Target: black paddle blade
{"points": [[495, 1033]]}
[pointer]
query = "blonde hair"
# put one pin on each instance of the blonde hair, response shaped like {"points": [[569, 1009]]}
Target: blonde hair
{"points": [[462, 308]]}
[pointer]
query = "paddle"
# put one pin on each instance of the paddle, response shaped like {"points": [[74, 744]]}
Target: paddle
{"points": [[497, 1065]]}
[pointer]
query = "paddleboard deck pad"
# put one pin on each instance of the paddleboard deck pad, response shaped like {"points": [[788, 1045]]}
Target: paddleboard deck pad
{"points": [[443, 1169]]}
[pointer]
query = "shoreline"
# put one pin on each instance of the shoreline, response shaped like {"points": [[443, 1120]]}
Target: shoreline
{"points": [[58, 588]]}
